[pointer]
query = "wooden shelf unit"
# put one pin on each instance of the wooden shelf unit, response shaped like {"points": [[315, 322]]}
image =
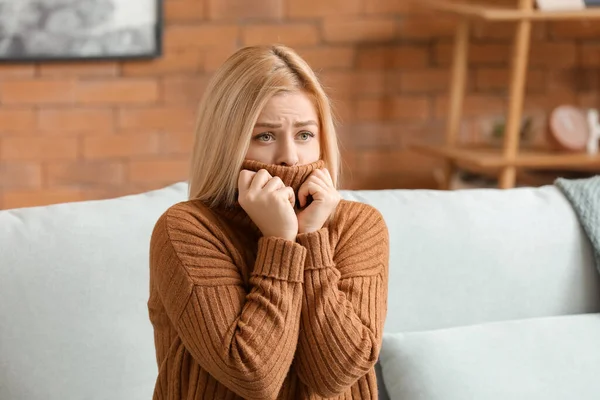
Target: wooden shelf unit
{"points": [[508, 159], [491, 158], [497, 13]]}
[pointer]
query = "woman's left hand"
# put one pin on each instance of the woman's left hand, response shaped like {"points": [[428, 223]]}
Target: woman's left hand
{"points": [[325, 199]]}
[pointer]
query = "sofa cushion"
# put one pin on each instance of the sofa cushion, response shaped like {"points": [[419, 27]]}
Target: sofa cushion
{"points": [[551, 358], [73, 299], [475, 256]]}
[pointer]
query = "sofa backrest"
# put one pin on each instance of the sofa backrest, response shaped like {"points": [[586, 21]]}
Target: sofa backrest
{"points": [[474, 256], [73, 299]]}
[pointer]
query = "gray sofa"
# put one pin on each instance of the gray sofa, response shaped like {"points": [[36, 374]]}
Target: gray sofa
{"points": [[492, 295]]}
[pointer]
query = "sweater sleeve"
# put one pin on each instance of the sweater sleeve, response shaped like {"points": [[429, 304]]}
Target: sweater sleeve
{"points": [[228, 328], [344, 305]]}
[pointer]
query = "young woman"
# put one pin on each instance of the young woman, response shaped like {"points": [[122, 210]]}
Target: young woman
{"points": [[265, 284]]}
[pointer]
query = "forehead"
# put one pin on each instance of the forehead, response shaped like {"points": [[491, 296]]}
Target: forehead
{"points": [[289, 104]]}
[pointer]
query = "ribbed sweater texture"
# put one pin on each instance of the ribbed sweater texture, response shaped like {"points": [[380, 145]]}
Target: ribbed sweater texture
{"points": [[240, 316]]}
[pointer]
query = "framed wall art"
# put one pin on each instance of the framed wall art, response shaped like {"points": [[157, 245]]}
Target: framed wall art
{"points": [[40, 30]]}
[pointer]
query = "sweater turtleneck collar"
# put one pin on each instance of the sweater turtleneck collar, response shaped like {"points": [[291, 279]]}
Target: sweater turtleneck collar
{"points": [[293, 177]]}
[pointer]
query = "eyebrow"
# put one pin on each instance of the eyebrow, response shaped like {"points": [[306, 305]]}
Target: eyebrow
{"points": [[298, 124]]}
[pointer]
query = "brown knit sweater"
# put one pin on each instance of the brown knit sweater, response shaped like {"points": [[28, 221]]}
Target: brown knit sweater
{"points": [[237, 315]]}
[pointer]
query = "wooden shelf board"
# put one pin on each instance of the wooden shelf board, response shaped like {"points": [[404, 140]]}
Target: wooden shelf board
{"points": [[485, 157], [496, 13]]}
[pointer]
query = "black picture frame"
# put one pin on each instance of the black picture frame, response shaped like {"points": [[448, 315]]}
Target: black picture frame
{"points": [[150, 49]]}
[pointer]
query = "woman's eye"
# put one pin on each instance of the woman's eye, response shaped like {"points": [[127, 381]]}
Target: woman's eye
{"points": [[264, 137], [306, 135]]}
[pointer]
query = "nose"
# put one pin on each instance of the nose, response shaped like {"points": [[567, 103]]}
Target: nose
{"points": [[287, 154]]}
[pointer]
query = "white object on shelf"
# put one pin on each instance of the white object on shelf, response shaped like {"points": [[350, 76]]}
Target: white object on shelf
{"points": [[560, 5], [594, 124]]}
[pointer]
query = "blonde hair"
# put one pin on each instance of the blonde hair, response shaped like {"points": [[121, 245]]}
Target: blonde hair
{"points": [[230, 108]]}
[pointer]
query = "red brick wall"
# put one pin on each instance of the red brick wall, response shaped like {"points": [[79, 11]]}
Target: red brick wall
{"points": [[74, 131]]}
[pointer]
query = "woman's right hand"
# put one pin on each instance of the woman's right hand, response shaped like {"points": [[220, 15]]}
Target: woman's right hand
{"points": [[269, 203]]}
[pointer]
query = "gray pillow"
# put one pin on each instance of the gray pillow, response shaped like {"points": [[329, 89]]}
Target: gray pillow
{"points": [[551, 358]]}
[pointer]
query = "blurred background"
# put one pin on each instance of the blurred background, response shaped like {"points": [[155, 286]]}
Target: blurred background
{"points": [[79, 130]]}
